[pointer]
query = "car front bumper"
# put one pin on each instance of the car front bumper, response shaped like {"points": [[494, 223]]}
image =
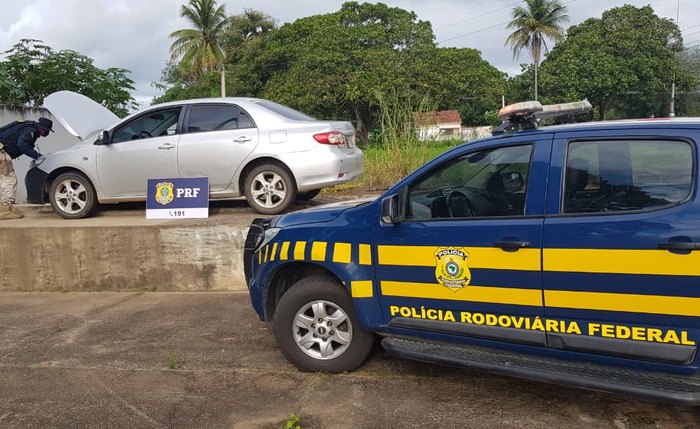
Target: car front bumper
{"points": [[34, 181]]}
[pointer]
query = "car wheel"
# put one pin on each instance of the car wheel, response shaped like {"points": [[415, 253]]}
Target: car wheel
{"points": [[72, 196], [308, 195], [317, 329], [269, 189]]}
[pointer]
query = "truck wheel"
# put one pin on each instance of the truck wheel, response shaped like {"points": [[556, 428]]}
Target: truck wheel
{"points": [[72, 196], [269, 189], [317, 329]]}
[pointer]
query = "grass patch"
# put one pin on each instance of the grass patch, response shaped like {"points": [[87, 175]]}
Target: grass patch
{"points": [[384, 166], [294, 422], [171, 360], [395, 150]]}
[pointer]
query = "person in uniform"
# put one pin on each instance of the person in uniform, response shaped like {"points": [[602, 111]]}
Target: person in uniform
{"points": [[15, 141]]}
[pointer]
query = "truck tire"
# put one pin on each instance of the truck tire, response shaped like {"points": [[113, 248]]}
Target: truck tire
{"points": [[317, 329]]}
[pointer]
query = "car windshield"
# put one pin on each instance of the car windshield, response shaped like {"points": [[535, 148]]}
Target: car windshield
{"points": [[285, 111]]}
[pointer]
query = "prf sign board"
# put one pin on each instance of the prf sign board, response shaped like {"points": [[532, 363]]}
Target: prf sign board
{"points": [[185, 198]]}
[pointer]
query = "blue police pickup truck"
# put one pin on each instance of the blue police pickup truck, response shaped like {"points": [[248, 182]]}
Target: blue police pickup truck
{"points": [[567, 253]]}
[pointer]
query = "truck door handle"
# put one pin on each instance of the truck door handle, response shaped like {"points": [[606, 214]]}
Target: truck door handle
{"points": [[512, 245], [166, 146], [679, 246], [242, 139]]}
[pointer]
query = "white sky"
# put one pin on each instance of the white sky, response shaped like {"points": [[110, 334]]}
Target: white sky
{"points": [[133, 34]]}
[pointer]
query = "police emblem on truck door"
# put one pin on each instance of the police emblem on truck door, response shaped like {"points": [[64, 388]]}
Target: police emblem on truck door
{"points": [[452, 270]]}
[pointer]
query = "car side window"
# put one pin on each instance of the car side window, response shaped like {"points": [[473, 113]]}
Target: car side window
{"points": [[217, 118], [487, 183], [627, 175], [151, 124]]}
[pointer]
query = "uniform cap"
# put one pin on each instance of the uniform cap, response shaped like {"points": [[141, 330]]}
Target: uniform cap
{"points": [[46, 124]]}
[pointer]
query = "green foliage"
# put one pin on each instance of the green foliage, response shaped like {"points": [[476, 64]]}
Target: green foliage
{"points": [[332, 65], [458, 78], [198, 47], [244, 40], [32, 70], [538, 21], [397, 150], [622, 63], [171, 360], [294, 422]]}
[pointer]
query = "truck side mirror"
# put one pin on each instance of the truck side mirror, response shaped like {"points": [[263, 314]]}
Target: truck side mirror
{"points": [[391, 209]]}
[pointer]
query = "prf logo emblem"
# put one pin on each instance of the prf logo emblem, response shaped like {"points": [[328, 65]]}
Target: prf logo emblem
{"points": [[452, 270], [164, 193]]}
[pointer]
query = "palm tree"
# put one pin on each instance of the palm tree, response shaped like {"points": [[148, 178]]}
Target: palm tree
{"points": [[537, 21], [198, 48]]}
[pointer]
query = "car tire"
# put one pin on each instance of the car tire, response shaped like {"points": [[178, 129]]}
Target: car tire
{"points": [[72, 196], [316, 327], [269, 189], [308, 195]]}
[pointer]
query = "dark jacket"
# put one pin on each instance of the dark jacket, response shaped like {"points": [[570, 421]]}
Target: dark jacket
{"points": [[20, 140]]}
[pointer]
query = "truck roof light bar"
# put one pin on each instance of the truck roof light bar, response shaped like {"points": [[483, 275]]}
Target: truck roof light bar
{"points": [[525, 115]]}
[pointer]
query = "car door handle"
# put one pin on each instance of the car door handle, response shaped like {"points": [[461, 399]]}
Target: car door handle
{"points": [[166, 146], [679, 246], [242, 139], [511, 245]]}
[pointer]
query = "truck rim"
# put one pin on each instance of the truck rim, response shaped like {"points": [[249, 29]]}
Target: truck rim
{"points": [[322, 330]]}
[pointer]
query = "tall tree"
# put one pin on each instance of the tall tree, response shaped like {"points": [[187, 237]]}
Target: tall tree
{"points": [[32, 70], [343, 58], [622, 62], [244, 40], [538, 21], [197, 49]]}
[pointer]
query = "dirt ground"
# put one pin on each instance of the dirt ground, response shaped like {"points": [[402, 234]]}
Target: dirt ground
{"points": [[104, 360]]}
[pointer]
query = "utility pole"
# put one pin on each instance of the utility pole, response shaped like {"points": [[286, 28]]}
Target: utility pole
{"points": [[222, 69], [672, 105]]}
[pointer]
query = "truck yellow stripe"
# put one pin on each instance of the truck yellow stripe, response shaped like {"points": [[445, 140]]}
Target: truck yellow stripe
{"points": [[274, 252], [284, 252], [299, 250], [361, 289], [630, 303], [647, 262], [479, 257], [318, 250], [365, 254], [341, 253], [489, 294]]}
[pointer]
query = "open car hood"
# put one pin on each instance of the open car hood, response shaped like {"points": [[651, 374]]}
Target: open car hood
{"points": [[79, 115]]}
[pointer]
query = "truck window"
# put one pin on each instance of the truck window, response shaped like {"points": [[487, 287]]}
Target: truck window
{"points": [[491, 182], [612, 176]]}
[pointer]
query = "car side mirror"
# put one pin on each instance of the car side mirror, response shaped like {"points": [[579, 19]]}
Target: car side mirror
{"points": [[512, 182], [103, 138], [392, 212]]}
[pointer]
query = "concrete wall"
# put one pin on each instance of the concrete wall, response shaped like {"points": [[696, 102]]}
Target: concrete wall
{"points": [[60, 139], [184, 257]]}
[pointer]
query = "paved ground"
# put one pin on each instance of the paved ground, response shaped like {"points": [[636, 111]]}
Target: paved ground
{"points": [[101, 360]]}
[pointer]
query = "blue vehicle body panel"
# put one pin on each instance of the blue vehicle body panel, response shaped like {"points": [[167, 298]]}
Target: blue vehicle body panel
{"points": [[593, 287]]}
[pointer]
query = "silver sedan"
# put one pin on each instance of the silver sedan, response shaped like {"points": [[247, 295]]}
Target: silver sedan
{"points": [[267, 152]]}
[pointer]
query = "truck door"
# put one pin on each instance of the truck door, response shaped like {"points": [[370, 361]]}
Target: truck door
{"points": [[465, 260], [620, 246]]}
